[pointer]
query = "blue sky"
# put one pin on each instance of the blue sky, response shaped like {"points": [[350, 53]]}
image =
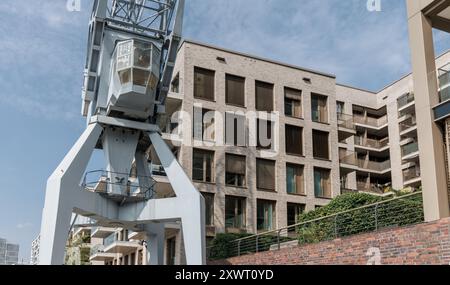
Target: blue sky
{"points": [[43, 50]]}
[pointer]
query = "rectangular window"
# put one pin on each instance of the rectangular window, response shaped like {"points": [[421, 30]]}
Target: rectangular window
{"points": [[264, 96], [322, 185], [234, 212], [319, 109], [204, 124], [236, 169], [203, 166], [294, 141], [265, 215], [293, 212], [264, 133], [293, 103], [204, 84], [209, 209], [320, 145], [235, 90], [175, 85], [265, 175], [294, 179], [235, 130]]}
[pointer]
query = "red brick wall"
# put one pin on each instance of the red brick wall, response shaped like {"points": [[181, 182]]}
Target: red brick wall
{"points": [[420, 244]]}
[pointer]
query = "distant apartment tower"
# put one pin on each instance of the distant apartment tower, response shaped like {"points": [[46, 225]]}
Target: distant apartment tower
{"points": [[9, 253], [35, 245]]}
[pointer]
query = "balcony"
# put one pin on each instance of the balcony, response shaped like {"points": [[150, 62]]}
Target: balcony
{"points": [[378, 145], [372, 188], [98, 254], [405, 101], [408, 125], [102, 232], [377, 123], [380, 167], [444, 83], [346, 126], [348, 162], [112, 245], [411, 176], [120, 187], [410, 151]]}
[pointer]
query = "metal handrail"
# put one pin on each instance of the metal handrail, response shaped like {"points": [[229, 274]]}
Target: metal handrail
{"points": [[147, 192], [331, 216]]}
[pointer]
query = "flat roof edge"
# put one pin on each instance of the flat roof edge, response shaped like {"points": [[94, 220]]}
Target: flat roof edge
{"points": [[257, 58]]}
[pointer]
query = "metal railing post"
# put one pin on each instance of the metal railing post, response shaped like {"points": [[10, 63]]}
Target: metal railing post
{"points": [[278, 239], [376, 217], [257, 245], [239, 248], [335, 226]]}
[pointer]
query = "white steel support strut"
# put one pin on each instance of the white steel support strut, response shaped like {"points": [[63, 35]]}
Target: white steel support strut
{"points": [[190, 200], [63, 195]]}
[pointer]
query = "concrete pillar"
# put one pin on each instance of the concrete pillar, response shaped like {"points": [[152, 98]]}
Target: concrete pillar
{"points": [[434, 177]]}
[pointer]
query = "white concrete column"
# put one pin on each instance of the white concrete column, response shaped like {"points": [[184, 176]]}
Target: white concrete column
{"points": [[434, 176]]}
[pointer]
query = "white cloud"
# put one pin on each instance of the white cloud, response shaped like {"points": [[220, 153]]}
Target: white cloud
{"points": [[22, 226]]}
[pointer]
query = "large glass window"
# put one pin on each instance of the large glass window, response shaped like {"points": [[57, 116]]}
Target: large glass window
{"points": [[293, 103], [235, 90], [204, 84], [264, 96], [265, 215], [294, 142], [322, 185], [321, 147], [203, 166], [265, 175], [209, 208], [294, 179], [235, 170], [319, 110], [234, 212]]}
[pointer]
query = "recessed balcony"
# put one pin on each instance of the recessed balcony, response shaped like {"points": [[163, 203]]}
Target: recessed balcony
{"points": [[411, 176], [410, 151], [346, 126], [98, 254], [114, 246], [371, 122], [102, 232], [374, 166], [372, 144]]}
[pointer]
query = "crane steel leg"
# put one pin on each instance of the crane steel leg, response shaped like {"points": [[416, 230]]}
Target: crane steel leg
{"points": [[189, 199], [63, 186]]}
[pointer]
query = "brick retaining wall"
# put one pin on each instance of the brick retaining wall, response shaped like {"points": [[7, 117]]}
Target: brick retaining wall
{"points": [[421, 244]]}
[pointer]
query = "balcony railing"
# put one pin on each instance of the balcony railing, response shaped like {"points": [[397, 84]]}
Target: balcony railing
{"points": [[408, 124], [410, 148], [405, 100], [444, 83], [103, 182], [369, 121], [349, 158], [411, 174], [378, 144], [346, 121], [98, 248], [364, 186], [374, 165]]}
